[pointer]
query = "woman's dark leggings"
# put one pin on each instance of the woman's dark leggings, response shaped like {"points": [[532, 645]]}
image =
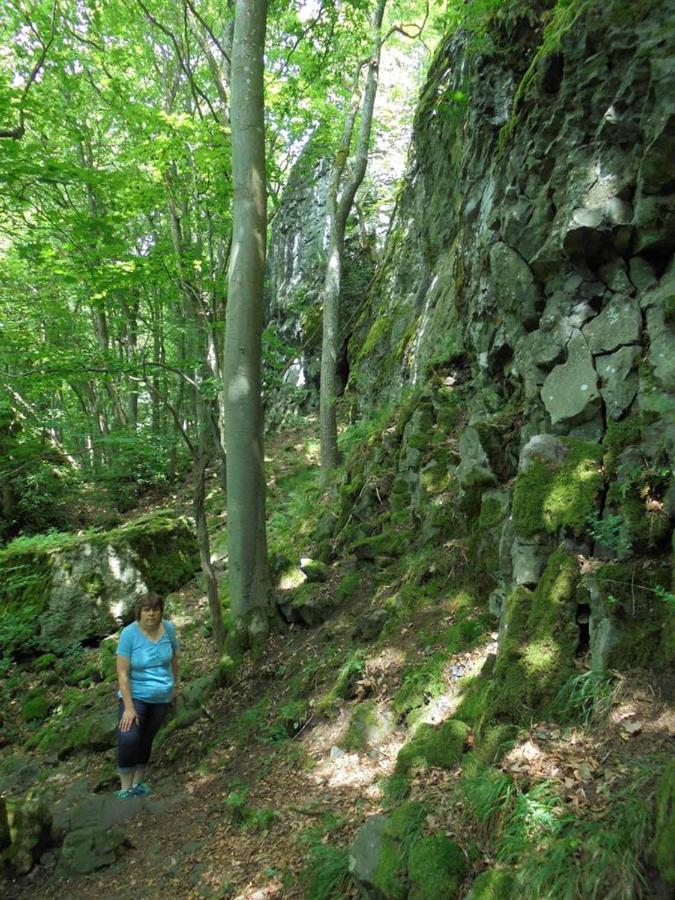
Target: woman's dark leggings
{"points": [[134, 746]]}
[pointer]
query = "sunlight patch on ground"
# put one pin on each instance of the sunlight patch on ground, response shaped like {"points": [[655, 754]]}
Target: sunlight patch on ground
{"points": [[461, 667], [363, 770]]}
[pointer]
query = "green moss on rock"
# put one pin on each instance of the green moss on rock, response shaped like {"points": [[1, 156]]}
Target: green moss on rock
{"points": [[643, 620], [495, 884], [434, 745], [166, 548], [618, 437], [538, 643], [402, 830], [35, 709], [436, 867], [550, 496]]}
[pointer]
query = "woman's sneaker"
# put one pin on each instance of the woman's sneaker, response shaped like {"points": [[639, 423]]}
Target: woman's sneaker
{"points": [[125, 795], [140, 790]]}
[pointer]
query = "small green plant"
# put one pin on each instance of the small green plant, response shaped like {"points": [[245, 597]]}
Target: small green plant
{"points": [[488, 793], [327, 873], [609, 531], [572, 855], [238, 809], [586, 697], [666, 596]]}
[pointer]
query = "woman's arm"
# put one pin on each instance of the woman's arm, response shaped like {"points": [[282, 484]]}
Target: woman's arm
{"points": [[174, 668], [129, 715]]}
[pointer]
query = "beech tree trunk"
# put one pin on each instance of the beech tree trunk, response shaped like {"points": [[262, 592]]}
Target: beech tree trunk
{"points": [[250, 588]]}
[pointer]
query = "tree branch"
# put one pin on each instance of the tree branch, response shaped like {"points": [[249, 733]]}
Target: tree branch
{"points": [[17, 133]]}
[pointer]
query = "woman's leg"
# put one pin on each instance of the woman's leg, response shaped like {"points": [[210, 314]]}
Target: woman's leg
{"points": [[152, 720], [129, 745]]}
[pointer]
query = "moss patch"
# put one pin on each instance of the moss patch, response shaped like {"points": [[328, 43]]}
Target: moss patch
{"points": [[548, 496], [495, 884], [436, 866], [402, 830], [538, 644], [636, 599], [434, 745], [35, 709]]}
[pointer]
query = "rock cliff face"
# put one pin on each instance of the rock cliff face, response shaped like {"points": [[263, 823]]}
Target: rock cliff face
{"points": [[537, 226], [524, 314]]}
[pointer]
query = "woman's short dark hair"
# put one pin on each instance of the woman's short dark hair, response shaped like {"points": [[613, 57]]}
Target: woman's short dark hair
{"points": [[151, 600]]}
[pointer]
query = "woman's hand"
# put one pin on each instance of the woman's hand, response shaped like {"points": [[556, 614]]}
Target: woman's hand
{"points": [[129, 716]]}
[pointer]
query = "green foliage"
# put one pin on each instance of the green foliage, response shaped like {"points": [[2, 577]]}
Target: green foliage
{"points": [[404, 827], [564, 855], [346, 677], [488, 793], [237, 808], [585, 698], [608, 530], [326, 874], [637, 597], [664, 838], [289, 720]]}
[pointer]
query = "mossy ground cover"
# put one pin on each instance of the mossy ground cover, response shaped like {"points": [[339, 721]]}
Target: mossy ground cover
{"points": [[268, 736]]}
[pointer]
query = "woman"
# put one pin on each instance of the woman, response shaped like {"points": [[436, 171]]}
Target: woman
{"points": [[147, 672]]}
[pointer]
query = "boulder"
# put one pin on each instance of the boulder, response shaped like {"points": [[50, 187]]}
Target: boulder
{"points": [[618, 379], [661, 354], [513, 285], [365, 852], [88, 849], [546, 447], [25, 828], [570, 391], [314, 569], [474, 467], [619, 324], [370, 625], [436, 867], [528, 560]]}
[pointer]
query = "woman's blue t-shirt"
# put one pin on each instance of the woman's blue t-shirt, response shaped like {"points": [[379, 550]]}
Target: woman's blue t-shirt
{"points": [[150, 671]]}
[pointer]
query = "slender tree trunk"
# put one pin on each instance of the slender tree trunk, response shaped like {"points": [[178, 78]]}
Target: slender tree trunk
{"points": [[339, 207], [198, 502], [250, 588]]}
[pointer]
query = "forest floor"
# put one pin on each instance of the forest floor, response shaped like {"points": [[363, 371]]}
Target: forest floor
{"points": [[242, 799]]}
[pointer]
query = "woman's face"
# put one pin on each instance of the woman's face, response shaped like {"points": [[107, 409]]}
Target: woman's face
{"points": [[150, 616]]}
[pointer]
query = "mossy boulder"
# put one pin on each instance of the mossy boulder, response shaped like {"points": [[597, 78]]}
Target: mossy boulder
{"points": [[552, 494], [58, 589], [538, 641], [440, 746], [85, 720], [494, 884], [27, 824], [403, 828], [35, 708], [88, 849], [436, 867], [632, 619]]}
